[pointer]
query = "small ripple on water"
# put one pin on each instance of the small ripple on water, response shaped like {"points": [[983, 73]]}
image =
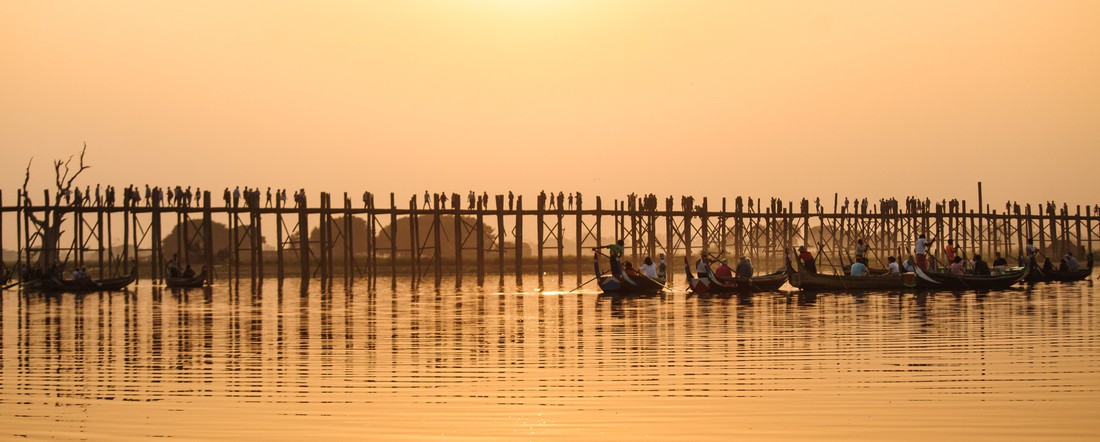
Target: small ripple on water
{"points": [[508, 364]]}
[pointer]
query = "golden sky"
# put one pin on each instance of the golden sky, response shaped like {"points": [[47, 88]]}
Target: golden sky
{"points": [[784, 98]]}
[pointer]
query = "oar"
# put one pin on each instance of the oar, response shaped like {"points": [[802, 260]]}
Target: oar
{"points": [[586, 282], [12, 285]]}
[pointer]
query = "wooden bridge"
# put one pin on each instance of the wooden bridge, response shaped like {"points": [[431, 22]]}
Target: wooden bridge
{"points": [[648, 227]]}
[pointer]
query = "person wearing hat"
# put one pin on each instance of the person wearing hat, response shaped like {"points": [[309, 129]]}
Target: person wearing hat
{"points": [[808, 261], [744, 268], [723, 270]]}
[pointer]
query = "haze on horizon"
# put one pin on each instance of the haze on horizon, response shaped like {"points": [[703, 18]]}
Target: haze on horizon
{"points": [[786, 99]]}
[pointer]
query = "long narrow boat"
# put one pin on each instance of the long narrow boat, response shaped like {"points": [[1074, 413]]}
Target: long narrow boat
{"points": [[804, 280], [713, 284], [55, 284], [186, 281], [947, 281], [626, 284], [1038, 275]]}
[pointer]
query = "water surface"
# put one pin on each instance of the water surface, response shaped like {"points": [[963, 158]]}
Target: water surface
{"points": [[518, 363]]}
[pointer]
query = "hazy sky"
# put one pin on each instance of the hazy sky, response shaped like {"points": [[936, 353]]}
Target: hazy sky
{"points": [[783, 98]]}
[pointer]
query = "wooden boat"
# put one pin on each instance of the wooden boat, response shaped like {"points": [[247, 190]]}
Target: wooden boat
{"points": [[815, 281], [55, 284], [626, 284], [186, 281], [1037, 274], [947, 281], [714, 284]]}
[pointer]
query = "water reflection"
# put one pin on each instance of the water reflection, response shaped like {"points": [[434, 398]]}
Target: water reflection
{"points": [[351, 360]]}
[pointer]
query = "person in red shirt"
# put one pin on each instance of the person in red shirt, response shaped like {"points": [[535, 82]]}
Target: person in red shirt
{"points": [[628, 268], [807, 258], [723, 270]]}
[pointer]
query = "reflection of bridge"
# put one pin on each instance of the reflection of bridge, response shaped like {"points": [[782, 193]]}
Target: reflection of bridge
{"points": [[648, 229]]}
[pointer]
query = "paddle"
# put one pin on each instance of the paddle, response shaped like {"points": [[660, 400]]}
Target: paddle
{"points": [[586, 282]]}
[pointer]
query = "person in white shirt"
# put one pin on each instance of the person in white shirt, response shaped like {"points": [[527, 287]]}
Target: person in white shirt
{"points": [[648, 268], [921, 248], [893, 265]]}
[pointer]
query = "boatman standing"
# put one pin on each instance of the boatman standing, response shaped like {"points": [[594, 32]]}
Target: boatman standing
{"points": [[615, 252], [920, 250]]}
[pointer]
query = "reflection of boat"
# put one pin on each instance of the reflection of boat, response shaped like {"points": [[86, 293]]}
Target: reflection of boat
{"points": [[947, 281], [186, 281], [804, 280], [1037, 274], [55, 284], [714, 284], [624, 283]]}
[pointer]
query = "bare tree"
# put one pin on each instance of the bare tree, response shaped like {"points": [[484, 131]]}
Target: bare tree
{"points": [[50, 225]]}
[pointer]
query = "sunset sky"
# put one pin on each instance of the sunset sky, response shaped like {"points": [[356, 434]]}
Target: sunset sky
{"points": [[723, 98]]}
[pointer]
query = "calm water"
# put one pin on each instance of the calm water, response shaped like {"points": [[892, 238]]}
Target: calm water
{"points": [[514, 363]]}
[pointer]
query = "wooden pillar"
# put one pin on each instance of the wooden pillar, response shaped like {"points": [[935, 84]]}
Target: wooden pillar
{"points": [[208, 237], [99, 235], [414, 239], [303, 237], [20, 212], [579, 215], [78, 237], [1088, 226], [1077, 229], [324, 227], [561, 248], [686, 236], [1042, 230], [539, 230], [280, 270], [599, 221], [393, 239], [457, 233], [704, 226], [500, 236], [158, 251], [631, 207], [258, 234], [479, 225], [437, 258], [669, 249], [349, 247], [519, 240], [126, 235]]}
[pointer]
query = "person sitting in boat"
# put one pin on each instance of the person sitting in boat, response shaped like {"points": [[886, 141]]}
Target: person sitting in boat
{"points": [[723, 270], [628, 269], [1063, 266], [807, 260], [1048, 267], [957, 266], [858, 268], [744, 268], [950, 250], [999, 263], [661, 267], [702, 266], [615, 253], [980, 266], [908, 265], [1072, 263], [77, 274], [893, 266], [648, 268], [189, 272]]}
